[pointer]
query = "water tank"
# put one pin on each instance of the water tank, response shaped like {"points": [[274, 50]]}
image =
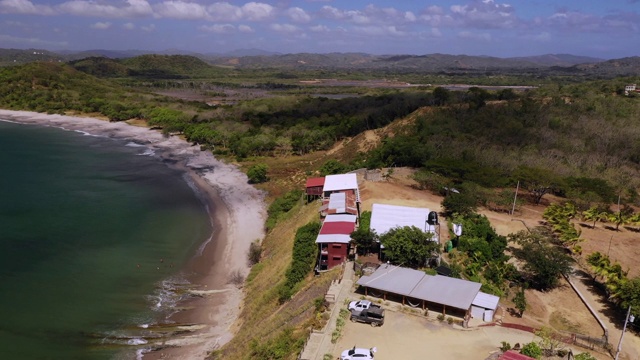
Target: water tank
{"points": [[432, 218]]}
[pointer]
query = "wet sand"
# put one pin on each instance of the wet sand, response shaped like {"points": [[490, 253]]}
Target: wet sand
{"points": [[237, 216]]}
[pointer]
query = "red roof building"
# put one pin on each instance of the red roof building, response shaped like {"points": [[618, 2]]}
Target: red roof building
{"points": [[314, 186], [334, 240], [513, 355]]}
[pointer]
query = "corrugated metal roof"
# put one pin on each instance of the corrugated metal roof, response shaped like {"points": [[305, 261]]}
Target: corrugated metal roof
{"points": [[486, 301], [333, 238], [337, 227], [340, 218], [313, 182], [386, 217], [438, 289], [395, 279], [448, 291], [338, 201], [340, 182]]}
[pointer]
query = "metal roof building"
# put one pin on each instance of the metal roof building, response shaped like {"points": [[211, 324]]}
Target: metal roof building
{"points": [[442, 290], [337, 229], [341, 182], [386, 217]]}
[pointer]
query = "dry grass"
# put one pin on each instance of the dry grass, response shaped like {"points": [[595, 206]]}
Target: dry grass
{"points": [[262, 317]]}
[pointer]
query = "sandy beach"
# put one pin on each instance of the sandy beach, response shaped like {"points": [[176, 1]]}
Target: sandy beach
{"points": [[237, 218]]}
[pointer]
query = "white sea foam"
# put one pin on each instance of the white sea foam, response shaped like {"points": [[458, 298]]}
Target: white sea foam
{"points": [[136, 341], [147, 152], [133, 144]]}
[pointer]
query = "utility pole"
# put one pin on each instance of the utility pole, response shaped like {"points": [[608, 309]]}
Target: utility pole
{"points": [[515, 197], [624, 329]]}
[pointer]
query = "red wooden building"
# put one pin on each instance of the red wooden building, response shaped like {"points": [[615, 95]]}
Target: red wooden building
{"points": [[334, 240], [314, 187]]}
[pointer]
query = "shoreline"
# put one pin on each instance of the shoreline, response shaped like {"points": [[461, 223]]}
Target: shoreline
{"points": [[237, 214]]}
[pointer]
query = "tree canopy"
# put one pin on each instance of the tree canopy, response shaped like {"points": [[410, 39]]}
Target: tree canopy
{"points": [[408, 246]]}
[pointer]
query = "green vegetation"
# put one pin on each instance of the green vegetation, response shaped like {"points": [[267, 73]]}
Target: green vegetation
{"points": [[408, 246], [544, 262], [532, 350], [304, 257], [364, 238], [257, 173], [520, 301], [281, 206], [280, 347]]}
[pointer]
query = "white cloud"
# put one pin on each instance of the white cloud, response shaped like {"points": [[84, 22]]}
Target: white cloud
{"points": [[24, 7], [101, 25], [389, 30], [319, 28], [284, 28], [128, 26], [224, 11], [474, 35], [219, 28], [254, 11], [181, 10], [134, 8], [542, 37], [484, 14], [148, 28], [245, 29], [298, 15]]}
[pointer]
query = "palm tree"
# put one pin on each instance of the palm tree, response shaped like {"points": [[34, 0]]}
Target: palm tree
{"points": [[594, 214]]}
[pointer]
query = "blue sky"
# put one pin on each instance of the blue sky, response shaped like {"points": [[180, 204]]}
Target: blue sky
{"points": [[504, 28]]}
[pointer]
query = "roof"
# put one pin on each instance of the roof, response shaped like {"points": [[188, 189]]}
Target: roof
{"points": [[386, 217], [391, 278], [486, 301], [340, 217], [333, 238], [512, 355], [448, 291], [340, 182], [338, 201], [438, 289], [337, 229], [313, 182]]}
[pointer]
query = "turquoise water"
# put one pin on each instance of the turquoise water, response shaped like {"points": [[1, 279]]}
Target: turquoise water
{"points": [[89, 229]]}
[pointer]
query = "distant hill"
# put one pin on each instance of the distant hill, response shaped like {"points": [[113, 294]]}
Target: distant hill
{"points": [[101, 67], [178, 64], [10, 57], [558, 59], [169, 66]]}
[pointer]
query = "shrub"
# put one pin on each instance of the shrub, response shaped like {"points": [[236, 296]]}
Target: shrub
{"points": [[257, 173], [505, 346], [532, 350], [281, 206], [303, 259], [584, 356], [449, 320], [441, 317], [255, 252]]}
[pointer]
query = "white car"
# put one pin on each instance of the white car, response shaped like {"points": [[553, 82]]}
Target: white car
{"points": [[359, 305], [358, 354]]}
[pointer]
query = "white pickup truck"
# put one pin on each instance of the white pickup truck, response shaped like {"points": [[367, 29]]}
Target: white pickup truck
{"points": [[362, 305]]}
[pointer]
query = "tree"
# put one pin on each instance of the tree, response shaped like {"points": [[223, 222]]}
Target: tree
{"points": [[257, 173], [332, 167], [537, 181], [520, 301], [408, 246], [532, 350], [623, 216], [544, 263], [459, 203], [364, 237], [594, 214]]}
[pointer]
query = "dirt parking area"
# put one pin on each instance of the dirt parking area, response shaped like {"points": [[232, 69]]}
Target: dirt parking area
{"points": [[409, 337]]}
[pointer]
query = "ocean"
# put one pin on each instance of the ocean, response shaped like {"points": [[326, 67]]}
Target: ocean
{"points": [[94, 234]]}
